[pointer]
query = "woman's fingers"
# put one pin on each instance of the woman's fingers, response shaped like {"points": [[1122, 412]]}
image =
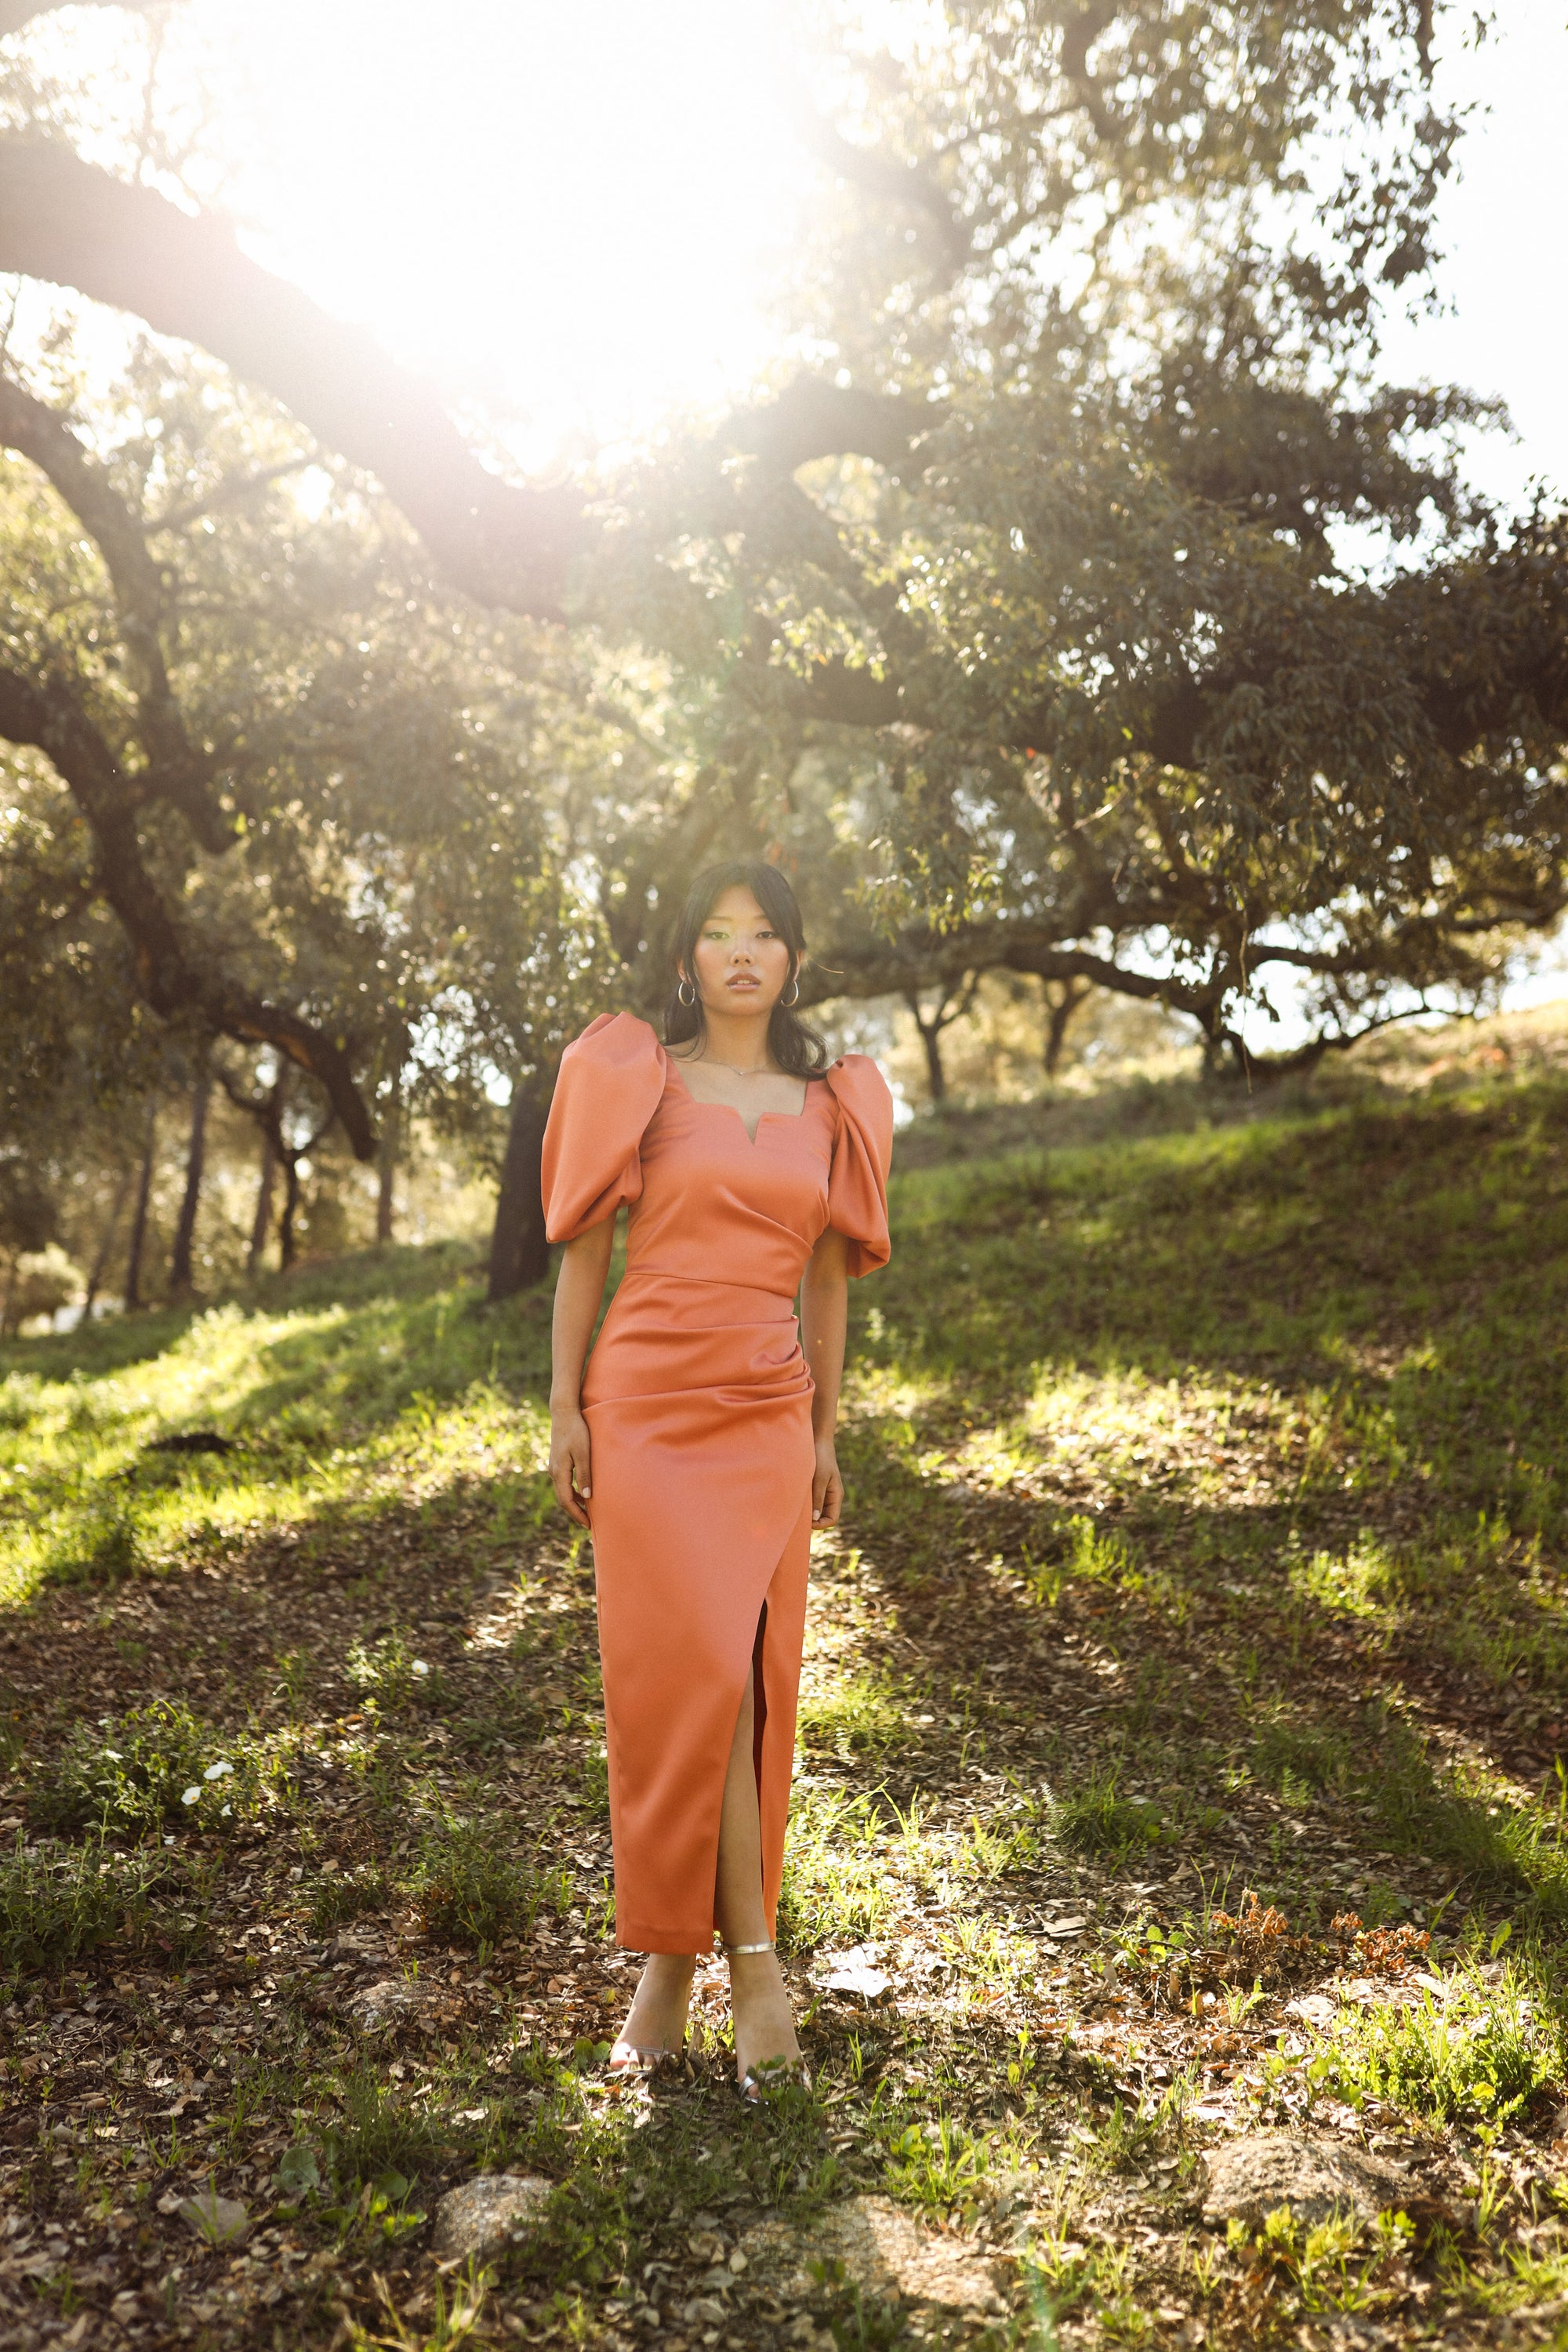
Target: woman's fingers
{"points": [[826, 1499], [570, 1473]]}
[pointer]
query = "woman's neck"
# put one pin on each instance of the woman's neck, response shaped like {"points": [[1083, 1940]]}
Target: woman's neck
{"points": [[738, 1039]]}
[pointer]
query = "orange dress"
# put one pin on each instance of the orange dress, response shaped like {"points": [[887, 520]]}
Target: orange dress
{"points": [[697, 1401]]}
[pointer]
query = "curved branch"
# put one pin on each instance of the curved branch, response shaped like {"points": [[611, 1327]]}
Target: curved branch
{"points": [[180, 772], [812, 419], [910, 182], [49, 715], [67, 222]]}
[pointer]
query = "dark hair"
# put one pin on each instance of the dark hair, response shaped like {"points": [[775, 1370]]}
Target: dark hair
{"points": [[793, 1047]]}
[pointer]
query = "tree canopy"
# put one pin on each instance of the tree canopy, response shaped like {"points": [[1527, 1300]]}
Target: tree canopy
{"points": [[1089, 606]]}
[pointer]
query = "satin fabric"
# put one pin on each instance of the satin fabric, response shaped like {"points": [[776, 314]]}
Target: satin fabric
{"points": [[697, 1401]]}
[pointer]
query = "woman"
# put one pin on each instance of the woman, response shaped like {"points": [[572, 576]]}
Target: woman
{"points": [[699, 1448]]}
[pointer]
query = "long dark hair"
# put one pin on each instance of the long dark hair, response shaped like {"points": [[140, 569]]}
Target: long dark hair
{"points": [[793, 1047]]}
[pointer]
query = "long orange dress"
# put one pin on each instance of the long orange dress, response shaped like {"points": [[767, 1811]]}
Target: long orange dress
{"points": [[697, 1401]]}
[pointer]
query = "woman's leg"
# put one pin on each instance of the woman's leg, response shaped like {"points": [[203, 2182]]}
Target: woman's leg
{"points": [[656, 2020], [764, 2027]]}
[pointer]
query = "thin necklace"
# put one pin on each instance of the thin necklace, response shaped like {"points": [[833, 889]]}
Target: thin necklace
{"points": [[761, 1071]]}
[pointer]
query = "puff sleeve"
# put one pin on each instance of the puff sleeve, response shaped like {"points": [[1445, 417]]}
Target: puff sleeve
{"points": [[862, 1152], [608, 1089]]}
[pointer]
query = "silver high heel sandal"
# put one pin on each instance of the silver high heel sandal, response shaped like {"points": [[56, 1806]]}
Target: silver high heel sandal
{"points": [[768, 2073]]}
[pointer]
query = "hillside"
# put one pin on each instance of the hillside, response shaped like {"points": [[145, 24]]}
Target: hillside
{"points": [[1182, 1740]]}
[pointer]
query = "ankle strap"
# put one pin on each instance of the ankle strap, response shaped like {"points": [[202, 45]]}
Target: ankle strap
{"points": [[728, 1949]]}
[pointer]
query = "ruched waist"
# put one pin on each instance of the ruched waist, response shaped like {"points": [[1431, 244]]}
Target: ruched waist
{"points": [[703, 1301], [668, 1335]]}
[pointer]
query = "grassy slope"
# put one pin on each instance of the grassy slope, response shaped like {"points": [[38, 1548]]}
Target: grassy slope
{"points": [[1206, 1534]]}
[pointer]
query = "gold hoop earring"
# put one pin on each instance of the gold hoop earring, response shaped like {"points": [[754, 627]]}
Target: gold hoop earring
{"points": [[681, 990]]}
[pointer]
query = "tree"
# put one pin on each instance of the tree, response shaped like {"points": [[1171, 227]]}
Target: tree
{"points": [[1027, 646], [181, 1280]]}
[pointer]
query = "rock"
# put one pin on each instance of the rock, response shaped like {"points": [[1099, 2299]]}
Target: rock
{"points": [[1249, 2177], [221, 2220], [884, 2251], [487, 2213], [379, 2008]]}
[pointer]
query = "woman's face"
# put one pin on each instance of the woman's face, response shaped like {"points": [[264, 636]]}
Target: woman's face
{"points": [[742, 963]]}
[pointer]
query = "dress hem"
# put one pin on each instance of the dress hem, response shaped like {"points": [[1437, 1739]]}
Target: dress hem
{"points": [[676, 1940]]}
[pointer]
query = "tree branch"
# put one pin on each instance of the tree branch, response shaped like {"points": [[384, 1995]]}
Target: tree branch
{"points": [[182, 772], [812, 419], [67, 222], [910, 182], [171, 980]]}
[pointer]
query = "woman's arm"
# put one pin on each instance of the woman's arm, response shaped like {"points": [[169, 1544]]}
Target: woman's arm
{"points": [[579, 1287], [824, 1314]]}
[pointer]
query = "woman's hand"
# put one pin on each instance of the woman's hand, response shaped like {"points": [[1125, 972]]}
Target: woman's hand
{"points": [[569, 1466], [827, 1486]]}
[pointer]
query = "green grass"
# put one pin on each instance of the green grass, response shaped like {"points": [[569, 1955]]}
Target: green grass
{"points": [[1206, 1532]]}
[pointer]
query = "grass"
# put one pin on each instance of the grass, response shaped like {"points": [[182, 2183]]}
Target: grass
{"points": [[1183, 1736]]}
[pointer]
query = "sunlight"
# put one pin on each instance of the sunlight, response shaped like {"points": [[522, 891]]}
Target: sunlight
{"points": [[573, 220], [570, 215]]}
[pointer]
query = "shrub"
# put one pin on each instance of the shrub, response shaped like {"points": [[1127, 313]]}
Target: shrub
{"points": [[389, 1673], [103, 1548], [1477, 2053], [1094, 1819], [59, 1902], [468, 1890], [159, 1763], [377, 2133], [345, 1895]]}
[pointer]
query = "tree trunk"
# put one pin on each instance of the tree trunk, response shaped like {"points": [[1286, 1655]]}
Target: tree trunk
{"points": [[520, 1255], [1063, 998], [100, 1260], [290, 1205], [261, 1224], [386, 1165], [138, 1219], [181, 1280], [931, 1038]]}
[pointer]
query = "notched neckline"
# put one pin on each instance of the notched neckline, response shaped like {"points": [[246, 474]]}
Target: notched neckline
{"points": [[749, 1133]]}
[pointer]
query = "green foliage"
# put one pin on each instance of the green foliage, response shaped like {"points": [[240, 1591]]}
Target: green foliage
{"points": [[59, 1903], [860, 1715], [102, 1549], [1478, 2053], [1094, 1817], [340, 1895], [466, 1889], [834, 1884], [378, 2131], [388, 1671], [156, 1764]]}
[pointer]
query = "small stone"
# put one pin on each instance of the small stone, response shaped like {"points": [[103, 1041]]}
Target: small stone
{"points": [[487, 2213], [380, 2007], [1252, 2177], [884, 2251], [221, 2220]]}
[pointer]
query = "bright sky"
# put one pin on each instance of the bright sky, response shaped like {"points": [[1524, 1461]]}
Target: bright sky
{"points": [[574, 211], [1503, 226], [570, 212]]}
